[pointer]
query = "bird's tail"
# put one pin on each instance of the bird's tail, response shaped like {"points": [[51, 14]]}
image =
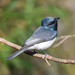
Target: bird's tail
{"points": [[16, 53]]}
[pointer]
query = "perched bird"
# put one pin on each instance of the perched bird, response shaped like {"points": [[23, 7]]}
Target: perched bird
{"points": [[42, 38]]}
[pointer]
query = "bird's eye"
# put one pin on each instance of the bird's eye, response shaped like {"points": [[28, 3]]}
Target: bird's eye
{"points": [[52, 23]]}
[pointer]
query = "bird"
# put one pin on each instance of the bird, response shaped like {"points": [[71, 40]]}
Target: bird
{"points": [[42, 38]]}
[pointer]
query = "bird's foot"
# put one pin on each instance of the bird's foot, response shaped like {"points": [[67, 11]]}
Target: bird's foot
{"points": [[45, 58], [45, 54]]}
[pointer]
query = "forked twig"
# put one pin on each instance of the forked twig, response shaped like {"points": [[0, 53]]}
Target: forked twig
{"points": [[63, 39]]}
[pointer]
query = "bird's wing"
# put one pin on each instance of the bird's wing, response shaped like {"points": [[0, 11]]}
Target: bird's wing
{"points": [[41, 35]]}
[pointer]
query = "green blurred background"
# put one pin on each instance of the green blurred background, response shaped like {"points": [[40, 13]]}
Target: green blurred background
{"points": [[19, 19]]}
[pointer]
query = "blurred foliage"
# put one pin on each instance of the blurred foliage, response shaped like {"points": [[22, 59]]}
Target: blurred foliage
{"points": [[18, 20]]}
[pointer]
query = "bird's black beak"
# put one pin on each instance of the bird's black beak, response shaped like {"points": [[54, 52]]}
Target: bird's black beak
{"points": [[57, 18]]}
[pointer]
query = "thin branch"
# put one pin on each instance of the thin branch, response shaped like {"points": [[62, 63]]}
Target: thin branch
{"points": [[47, 62], [9, 43], [48, 57], [63, 39]]}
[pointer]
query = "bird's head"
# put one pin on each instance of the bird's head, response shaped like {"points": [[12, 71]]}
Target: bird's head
{"points": [[50, 23]]}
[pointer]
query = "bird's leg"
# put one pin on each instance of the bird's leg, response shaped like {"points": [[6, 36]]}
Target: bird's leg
{"points": [[45, 54], [46, 59], [35, 51]]}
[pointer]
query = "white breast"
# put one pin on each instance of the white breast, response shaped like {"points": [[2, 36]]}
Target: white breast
{"points": [[44, 45]]}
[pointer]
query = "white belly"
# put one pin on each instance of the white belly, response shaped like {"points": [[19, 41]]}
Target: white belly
{"points": [[44, 45]]}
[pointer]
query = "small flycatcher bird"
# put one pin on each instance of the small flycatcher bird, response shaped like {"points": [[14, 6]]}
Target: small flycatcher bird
{"points": [[42, 38]]}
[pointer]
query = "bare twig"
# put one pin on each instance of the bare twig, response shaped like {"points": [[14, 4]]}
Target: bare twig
{"points": [[63, 39], [9, 43], [48, 57], [47, 62]]}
